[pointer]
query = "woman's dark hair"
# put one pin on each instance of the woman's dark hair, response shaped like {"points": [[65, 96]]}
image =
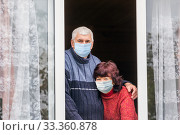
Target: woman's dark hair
{"points": [[109, 69]]}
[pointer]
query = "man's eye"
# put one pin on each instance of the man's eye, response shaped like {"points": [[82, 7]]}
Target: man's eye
{"points": [[80, 41], [87, 41]]}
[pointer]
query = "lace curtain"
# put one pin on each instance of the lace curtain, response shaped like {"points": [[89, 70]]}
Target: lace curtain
{"points": [[166, 60], [19, 61]]}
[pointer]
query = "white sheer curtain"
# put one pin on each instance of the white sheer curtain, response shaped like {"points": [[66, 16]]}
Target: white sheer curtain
{"points": [[165, 42], [19, 60]]}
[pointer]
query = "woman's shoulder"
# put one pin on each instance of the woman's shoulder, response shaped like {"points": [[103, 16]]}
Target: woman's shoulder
{"points": [[123, 93]]}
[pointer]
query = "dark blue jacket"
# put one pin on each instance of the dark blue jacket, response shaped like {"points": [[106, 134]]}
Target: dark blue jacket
{"points": [[83, 100]]}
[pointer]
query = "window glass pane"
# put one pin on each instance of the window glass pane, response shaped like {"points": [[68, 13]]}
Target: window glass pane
{"points": [[43, 14], [150, 72], [24, 60], [163, 20]]}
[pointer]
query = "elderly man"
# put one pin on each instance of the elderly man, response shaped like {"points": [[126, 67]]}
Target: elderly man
{"points": [[83, 101]]}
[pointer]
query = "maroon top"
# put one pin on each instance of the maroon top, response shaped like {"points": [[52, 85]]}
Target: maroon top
{"points": [[119, 105]]}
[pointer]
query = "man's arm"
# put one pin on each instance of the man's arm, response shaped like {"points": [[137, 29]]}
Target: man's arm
{"points": [[71, 109], [131, 88]]}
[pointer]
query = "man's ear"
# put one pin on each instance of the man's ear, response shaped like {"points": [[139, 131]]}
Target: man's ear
{"points": [[72, 44], [92, 45]]}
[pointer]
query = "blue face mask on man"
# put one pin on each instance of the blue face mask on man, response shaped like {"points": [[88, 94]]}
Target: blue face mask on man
{"points": [[104, 86], [82, 50]]}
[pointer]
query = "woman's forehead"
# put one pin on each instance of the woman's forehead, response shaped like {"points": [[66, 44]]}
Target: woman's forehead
{"points": [[103, 77]]}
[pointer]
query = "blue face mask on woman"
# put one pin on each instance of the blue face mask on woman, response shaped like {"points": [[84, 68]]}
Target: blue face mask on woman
{"points": [[104, 86], [82, 50]]}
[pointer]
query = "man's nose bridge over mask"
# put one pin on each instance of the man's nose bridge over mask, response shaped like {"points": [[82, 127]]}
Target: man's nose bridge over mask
{"points": [[84, 42]]}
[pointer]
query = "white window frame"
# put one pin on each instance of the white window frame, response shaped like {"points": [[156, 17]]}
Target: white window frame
{"points": [[59, 61], [51, 95], [141, 60]]}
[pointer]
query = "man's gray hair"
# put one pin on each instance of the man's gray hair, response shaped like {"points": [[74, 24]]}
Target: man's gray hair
{"points": [[82, 31]]}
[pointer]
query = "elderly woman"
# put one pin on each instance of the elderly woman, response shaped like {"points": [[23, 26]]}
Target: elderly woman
{"points": [[117, 101]]}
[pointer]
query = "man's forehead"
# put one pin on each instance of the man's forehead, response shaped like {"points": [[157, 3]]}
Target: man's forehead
{"points": [[83, 37]]}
